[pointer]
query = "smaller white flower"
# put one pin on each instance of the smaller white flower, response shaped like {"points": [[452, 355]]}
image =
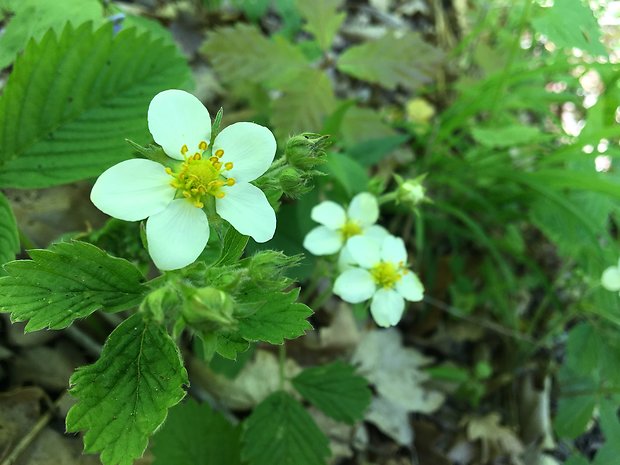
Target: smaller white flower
{"points": [[338, 225], [611, 278], [382, 275]]}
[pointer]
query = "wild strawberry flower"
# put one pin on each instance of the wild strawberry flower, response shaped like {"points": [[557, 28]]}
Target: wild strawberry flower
{"points": [[382, 275], [173, 197], [338, 225], [610, 279]]}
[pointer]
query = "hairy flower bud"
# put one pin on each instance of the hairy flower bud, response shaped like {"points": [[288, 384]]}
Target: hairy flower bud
{"points": [[294, 183], [306, 150], [410, 192], [208, 308]]}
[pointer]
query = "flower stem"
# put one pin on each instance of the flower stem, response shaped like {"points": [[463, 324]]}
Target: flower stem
{"points": [[282, 364]]}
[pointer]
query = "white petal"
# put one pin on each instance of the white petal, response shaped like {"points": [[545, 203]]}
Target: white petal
{"points": [[354, 286], [323, 241], [393, 250], [249, 146], [345, 260], [247, 209], [364, 209], [177, 235], [133, 190], [364, 251], [611, 279], [376, 233], [410, 287], [177, 118], [329, 214], [387, 307]]}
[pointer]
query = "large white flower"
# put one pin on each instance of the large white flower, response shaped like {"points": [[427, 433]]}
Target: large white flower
{"points": [[338, 225], [173, 198], [611, 278], [382, 275]]}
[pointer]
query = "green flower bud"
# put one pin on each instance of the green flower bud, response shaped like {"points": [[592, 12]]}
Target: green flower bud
{"points": [[410, 192], [294, 183], [209, 309], [306, 150], [267, 268]]}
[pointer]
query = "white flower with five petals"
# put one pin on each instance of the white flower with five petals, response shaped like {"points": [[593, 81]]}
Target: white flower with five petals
{"points": [[338, 225], [382, 275], [173, 198], [611, 278]]}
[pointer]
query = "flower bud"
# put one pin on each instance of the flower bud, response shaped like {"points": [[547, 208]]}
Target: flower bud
{"points": [[267, 268], [410, 192], [293, 182], [208, 309], [306, 150]]}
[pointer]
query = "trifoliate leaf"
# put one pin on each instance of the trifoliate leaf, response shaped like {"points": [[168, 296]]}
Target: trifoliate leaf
{"points": [[277, 317], [281, 432], [73, 99], [323, 21], [570, 23], [30, 19], [394, 59], [196, 435], [9, 236], [243, 53], [125, 396], [336, 390], [306, 101], [68, 281]]}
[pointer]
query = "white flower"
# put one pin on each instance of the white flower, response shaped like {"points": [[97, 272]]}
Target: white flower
{"points": [[338, 225], [177, 229], [382, 275], [611, 278]]}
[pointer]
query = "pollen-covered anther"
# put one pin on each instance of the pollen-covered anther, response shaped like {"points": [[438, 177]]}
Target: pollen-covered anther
{"points": [[214, 160], [228, 165], [219, 153], [230, 182], [219, 195], [203, 145], [197, 156], [184, 149]]}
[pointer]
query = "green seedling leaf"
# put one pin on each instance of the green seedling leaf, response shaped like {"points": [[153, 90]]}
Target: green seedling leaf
{"points": [[336, 390], [278, 317], [194, 434], [30, 19], [323, 19], [395, 59], [9, 236], [243, 53], [125, 396], [280, 431], [73, 98], [570, 23], [68, 281]]}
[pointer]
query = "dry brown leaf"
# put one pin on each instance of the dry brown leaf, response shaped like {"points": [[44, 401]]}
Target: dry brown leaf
{"points": [[496, 440]]}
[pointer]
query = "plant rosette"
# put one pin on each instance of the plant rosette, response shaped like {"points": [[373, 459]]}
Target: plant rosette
{"points": [[382, 275], [174, 197], [338, 225]]}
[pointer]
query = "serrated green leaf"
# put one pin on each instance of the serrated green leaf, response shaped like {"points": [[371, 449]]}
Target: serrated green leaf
{"points": [[9, 236], [243, 53], [125, 396], [362, 124], [570, 23], [306, 101], [278, 317], [336, 390], [231, 345], [233, 246], [394, 59], [253, 9], [196, 435], [73, 99], [32, 18], [323, 19], [68, 281], [279, 431]]}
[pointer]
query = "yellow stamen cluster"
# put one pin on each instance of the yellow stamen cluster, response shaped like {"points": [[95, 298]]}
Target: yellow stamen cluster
{"points": [[200, 176], [349, 229], [387, 274]]}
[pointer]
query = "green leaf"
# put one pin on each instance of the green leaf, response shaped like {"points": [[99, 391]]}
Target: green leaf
{"points": [[574, 414], [570, 23], [231, 345], [323, 21], [233, 246], [125, 396], [196, 435], [507, 136], [336, 390], [608, 454], [394, 59], [32, 18], [348, 172], [243, 53], [277, 317], [72, 100], [253, 9], [279, 431], [9, 235], [306, 101], [68, 281]]}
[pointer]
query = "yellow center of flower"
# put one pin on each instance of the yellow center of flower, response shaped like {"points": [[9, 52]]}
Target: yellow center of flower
{"points": [[387, 274], [349, 229], [199, 177]]}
